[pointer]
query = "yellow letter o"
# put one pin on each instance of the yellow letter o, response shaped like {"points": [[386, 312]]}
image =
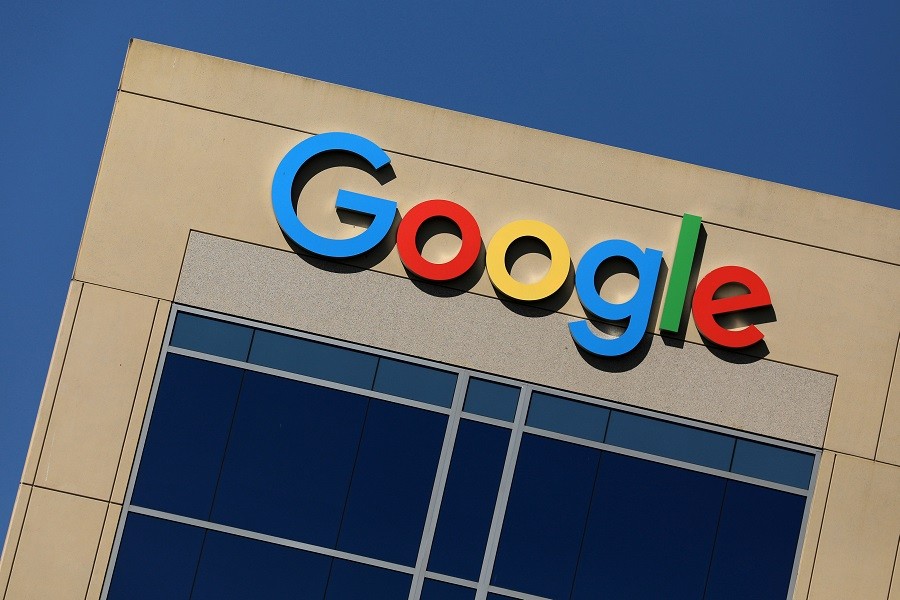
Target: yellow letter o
{"points": [[560, 260]]}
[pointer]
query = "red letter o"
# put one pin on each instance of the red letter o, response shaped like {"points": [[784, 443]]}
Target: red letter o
{"points": [[469, 233]]}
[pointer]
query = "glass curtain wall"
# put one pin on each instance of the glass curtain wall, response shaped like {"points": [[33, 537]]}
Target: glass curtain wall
{"points": [[275, 464]]}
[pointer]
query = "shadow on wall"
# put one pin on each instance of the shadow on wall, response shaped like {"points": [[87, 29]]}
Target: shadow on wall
{"points": [[455, 287], [731, 321]]}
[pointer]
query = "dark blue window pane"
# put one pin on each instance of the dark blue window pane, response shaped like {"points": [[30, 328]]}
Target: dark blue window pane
{"points": [[289, 459], [313, 359], [567, 416], [236, 568], [157, 559], [491, 399], [670, 440], [497, 597], [545, 518], [438, 590], [355, 581], [772, 463], [758, 535], [187, 436], [650, 532], [469, 498], [415, 382], [211, 336], [392, 482]]}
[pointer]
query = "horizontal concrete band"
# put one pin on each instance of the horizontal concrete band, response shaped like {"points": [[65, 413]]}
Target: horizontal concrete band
{"points": [[512, 151], [480, 333]]}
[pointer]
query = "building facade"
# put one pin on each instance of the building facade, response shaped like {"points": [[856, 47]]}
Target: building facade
{"points": [[499, 363]]}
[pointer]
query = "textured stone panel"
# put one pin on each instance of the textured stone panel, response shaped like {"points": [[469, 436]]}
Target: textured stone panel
{"points": [[477, 332]]}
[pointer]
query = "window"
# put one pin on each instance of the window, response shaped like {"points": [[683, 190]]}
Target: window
{"points": [[279, 464]]}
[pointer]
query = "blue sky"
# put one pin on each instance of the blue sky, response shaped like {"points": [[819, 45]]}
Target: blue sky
{"points": [[805, 94]]}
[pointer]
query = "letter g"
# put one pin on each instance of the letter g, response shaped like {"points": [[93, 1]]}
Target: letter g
{"points": [[381, 210]]}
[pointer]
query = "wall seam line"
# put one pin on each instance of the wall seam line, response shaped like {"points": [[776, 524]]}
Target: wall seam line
{"points": [[187, 243], [137, 388], [37, 466], [12, 560], [96, 551], [118, 289], [894, 570], [75, 494], [887, 397], [519, 180], [62, 366], [812, 571]]}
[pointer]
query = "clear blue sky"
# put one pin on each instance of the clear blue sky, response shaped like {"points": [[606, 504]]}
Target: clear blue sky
{"points": [[806, 94]]}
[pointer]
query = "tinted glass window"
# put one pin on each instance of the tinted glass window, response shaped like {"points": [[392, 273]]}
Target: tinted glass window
{"points": [[392, 482], [567, 416], [313, 359], [187, 435], [491, 399], [671, 440], [469, 499], [774, 464], [290, 457], [157, 559], [754, 551], [342, 470], [545, 518], [355, 581], [438, 590], [415, 382], [650, 532], [233, 567], [211, 336]]}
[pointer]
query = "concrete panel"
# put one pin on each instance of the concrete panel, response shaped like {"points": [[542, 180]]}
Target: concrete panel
{"points": [[58, 546], [814, 526], [145, 386], [211, 172], [12, 534], [889, 439], [104, 552], [895, 580], [512, 151], [96, 392], [52, 382], [482, 333], [857, 547]]}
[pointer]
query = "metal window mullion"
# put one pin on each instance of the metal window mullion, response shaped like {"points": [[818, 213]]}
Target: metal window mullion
{"points": [[326, 383], [509, 468], [804, 524], [314, 337], [437, 492], [138, 453], [271, 539], [672, 462], [601, 402], [466, 416], [514, 594]]}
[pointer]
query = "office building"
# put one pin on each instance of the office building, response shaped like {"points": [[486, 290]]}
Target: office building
{"points": [[498, 363]]}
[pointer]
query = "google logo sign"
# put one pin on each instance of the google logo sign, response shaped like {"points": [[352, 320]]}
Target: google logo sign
{"points": [[706, 304]]}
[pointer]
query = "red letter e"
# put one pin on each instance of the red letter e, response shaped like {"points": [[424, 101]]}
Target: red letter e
{"points": [[706, 306]]}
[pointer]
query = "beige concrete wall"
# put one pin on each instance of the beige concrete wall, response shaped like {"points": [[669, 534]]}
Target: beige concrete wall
{"points": [[212, 172], [193, 144], [860, 532], [69, 501]]}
